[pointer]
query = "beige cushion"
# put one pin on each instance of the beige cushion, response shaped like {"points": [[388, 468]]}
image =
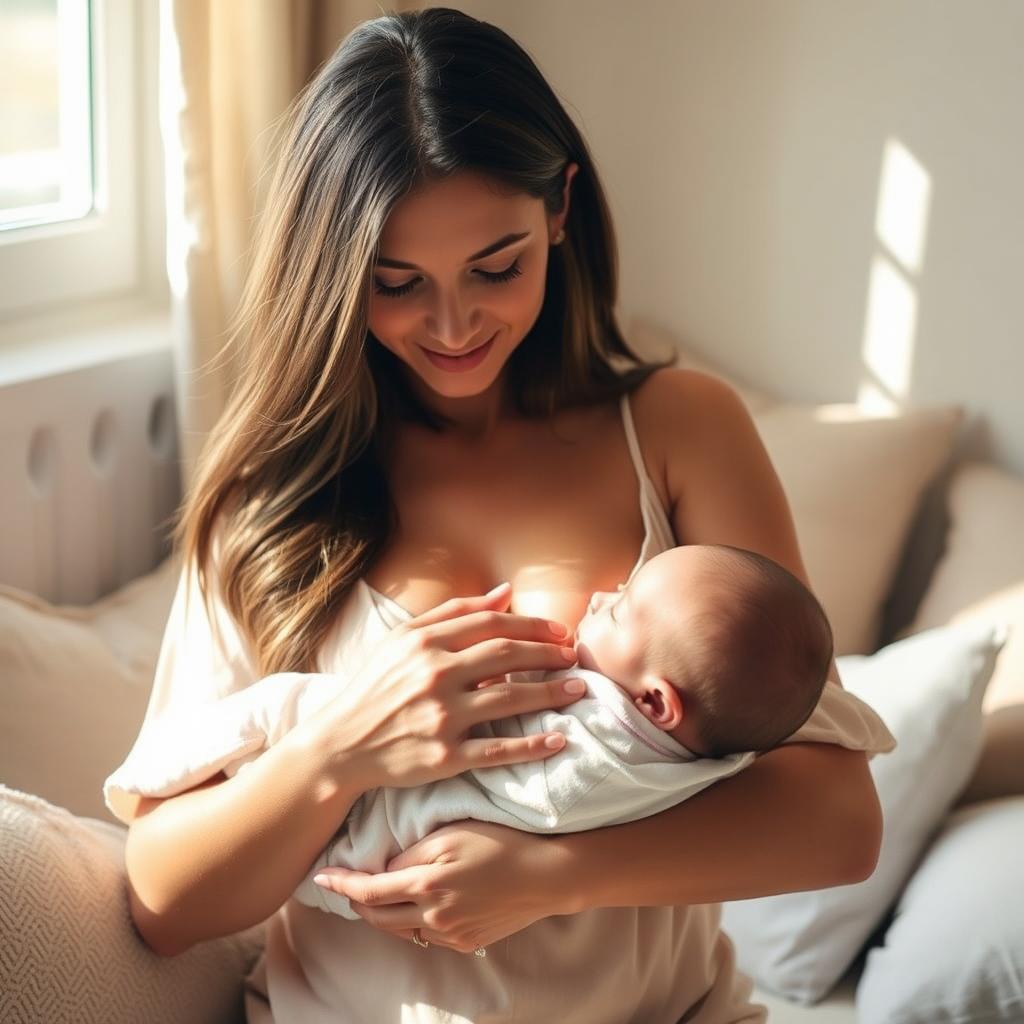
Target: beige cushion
{"points": [[74, 682], [69, 951], [854, 480], [981, 575]]}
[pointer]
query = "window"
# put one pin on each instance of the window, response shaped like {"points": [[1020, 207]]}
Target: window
{"points": [[71, 163]]}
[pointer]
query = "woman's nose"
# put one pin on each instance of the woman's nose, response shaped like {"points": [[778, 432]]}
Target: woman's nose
{"points": [[456, 326]]}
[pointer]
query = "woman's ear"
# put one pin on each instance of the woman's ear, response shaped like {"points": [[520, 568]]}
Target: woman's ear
{"points": [[557, 222]]}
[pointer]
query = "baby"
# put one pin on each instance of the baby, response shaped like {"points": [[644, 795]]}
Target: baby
{"points": [[719, 647]]}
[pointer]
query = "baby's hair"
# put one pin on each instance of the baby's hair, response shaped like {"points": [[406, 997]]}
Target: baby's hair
{"points": [[779, 648]]}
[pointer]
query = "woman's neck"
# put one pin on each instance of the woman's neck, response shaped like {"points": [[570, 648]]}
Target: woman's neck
{"points": [[475, 418]]}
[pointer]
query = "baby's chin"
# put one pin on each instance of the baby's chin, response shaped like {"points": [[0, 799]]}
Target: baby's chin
{"points": [[585, 657]]}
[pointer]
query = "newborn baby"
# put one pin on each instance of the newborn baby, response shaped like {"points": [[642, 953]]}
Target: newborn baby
{"points": [[719, 647]]}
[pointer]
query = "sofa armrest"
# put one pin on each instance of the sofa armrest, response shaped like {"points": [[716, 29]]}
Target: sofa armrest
{"points": [[69, 950]]}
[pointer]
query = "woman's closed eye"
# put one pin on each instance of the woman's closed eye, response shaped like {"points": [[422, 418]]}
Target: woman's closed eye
{"points": [[498, 277]]}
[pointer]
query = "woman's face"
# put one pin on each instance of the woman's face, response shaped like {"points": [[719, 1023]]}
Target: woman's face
{"points": [[460, 279]]}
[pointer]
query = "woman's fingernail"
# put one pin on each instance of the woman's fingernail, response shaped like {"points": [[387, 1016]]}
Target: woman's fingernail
{"points": [[498, 589], [557, 629], [321, 880], [554, 742], [569, 653], [575, 686]]}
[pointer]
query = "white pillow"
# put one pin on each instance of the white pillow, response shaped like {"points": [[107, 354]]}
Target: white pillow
{"points": [[928, 689], [955, 949]]}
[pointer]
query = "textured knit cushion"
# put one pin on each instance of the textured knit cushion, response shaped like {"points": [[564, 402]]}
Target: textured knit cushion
{"points": [[955, 949], [69, 951], [74, 682], [928, 690]]}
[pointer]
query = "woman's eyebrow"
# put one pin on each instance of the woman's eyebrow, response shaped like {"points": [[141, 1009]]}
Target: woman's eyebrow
{"points": [[502, 243]]}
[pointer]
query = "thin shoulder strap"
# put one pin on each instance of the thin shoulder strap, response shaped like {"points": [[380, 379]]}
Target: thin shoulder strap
{"points": [[634, 445]]}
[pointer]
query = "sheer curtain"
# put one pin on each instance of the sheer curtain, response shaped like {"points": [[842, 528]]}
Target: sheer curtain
{"points": [[228, 71]]}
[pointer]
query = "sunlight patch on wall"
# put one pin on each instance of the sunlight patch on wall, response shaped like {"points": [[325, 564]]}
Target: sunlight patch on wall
{"points": [[890, 329]]}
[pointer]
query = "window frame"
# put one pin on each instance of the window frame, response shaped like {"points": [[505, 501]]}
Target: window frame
{"points": [[52, 270]]}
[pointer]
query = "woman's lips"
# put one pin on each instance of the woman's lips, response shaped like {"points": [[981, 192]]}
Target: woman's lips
{"points": [[460, 364]]}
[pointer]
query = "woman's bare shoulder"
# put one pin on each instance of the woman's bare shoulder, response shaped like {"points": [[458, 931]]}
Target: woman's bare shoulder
{"points": [[673, 409], [719, 481]]}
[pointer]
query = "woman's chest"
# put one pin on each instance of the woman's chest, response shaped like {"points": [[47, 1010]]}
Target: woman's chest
{"points": [[558, 516]]}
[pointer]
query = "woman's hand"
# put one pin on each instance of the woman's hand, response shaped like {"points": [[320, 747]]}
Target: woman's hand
{"points": [[404, 718], [445, 885]]}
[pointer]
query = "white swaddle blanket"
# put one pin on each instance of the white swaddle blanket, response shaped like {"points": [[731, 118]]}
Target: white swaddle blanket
{"points": [[616, 766]]}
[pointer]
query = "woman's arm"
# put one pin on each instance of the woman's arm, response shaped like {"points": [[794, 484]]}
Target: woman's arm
{"points": [[803, 816], [210, 861]]}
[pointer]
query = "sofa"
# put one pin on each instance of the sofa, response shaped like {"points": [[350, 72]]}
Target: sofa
{"points": [[912, 549]]}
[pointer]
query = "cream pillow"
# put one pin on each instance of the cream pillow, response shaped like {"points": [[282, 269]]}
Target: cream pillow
{"points": [[69, 951], [853, 479], [981, 576], [74, 684]]}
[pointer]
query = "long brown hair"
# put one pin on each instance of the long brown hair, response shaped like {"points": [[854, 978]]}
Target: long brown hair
{"points": [[291, 479]]}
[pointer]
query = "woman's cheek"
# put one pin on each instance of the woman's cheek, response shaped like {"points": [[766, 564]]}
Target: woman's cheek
{"points": [[388, 321], [526, 296]]}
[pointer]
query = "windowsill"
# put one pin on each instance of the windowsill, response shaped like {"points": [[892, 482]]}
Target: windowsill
{"points": [[58, 343]]}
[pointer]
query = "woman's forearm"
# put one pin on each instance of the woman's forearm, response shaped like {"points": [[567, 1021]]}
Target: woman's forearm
{"points": [[219, 858], [803, 816]]}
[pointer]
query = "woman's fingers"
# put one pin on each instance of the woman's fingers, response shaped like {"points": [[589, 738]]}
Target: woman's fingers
{"points": [[484, 753], [456, 606], [500, 655], [372, 889], [490, 682], [475, 627], [500, 700], [461, 621]]}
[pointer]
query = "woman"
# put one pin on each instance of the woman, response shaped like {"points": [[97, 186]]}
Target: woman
{"points": [[437, 398]]}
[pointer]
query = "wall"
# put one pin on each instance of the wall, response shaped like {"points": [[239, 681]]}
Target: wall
{"points": [[823, 197]]}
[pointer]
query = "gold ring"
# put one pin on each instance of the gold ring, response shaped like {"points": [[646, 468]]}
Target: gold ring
{"points": [[418, 939], [480, 951]]}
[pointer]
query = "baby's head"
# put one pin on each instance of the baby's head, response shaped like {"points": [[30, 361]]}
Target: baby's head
{"points": [[720, 647]]}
